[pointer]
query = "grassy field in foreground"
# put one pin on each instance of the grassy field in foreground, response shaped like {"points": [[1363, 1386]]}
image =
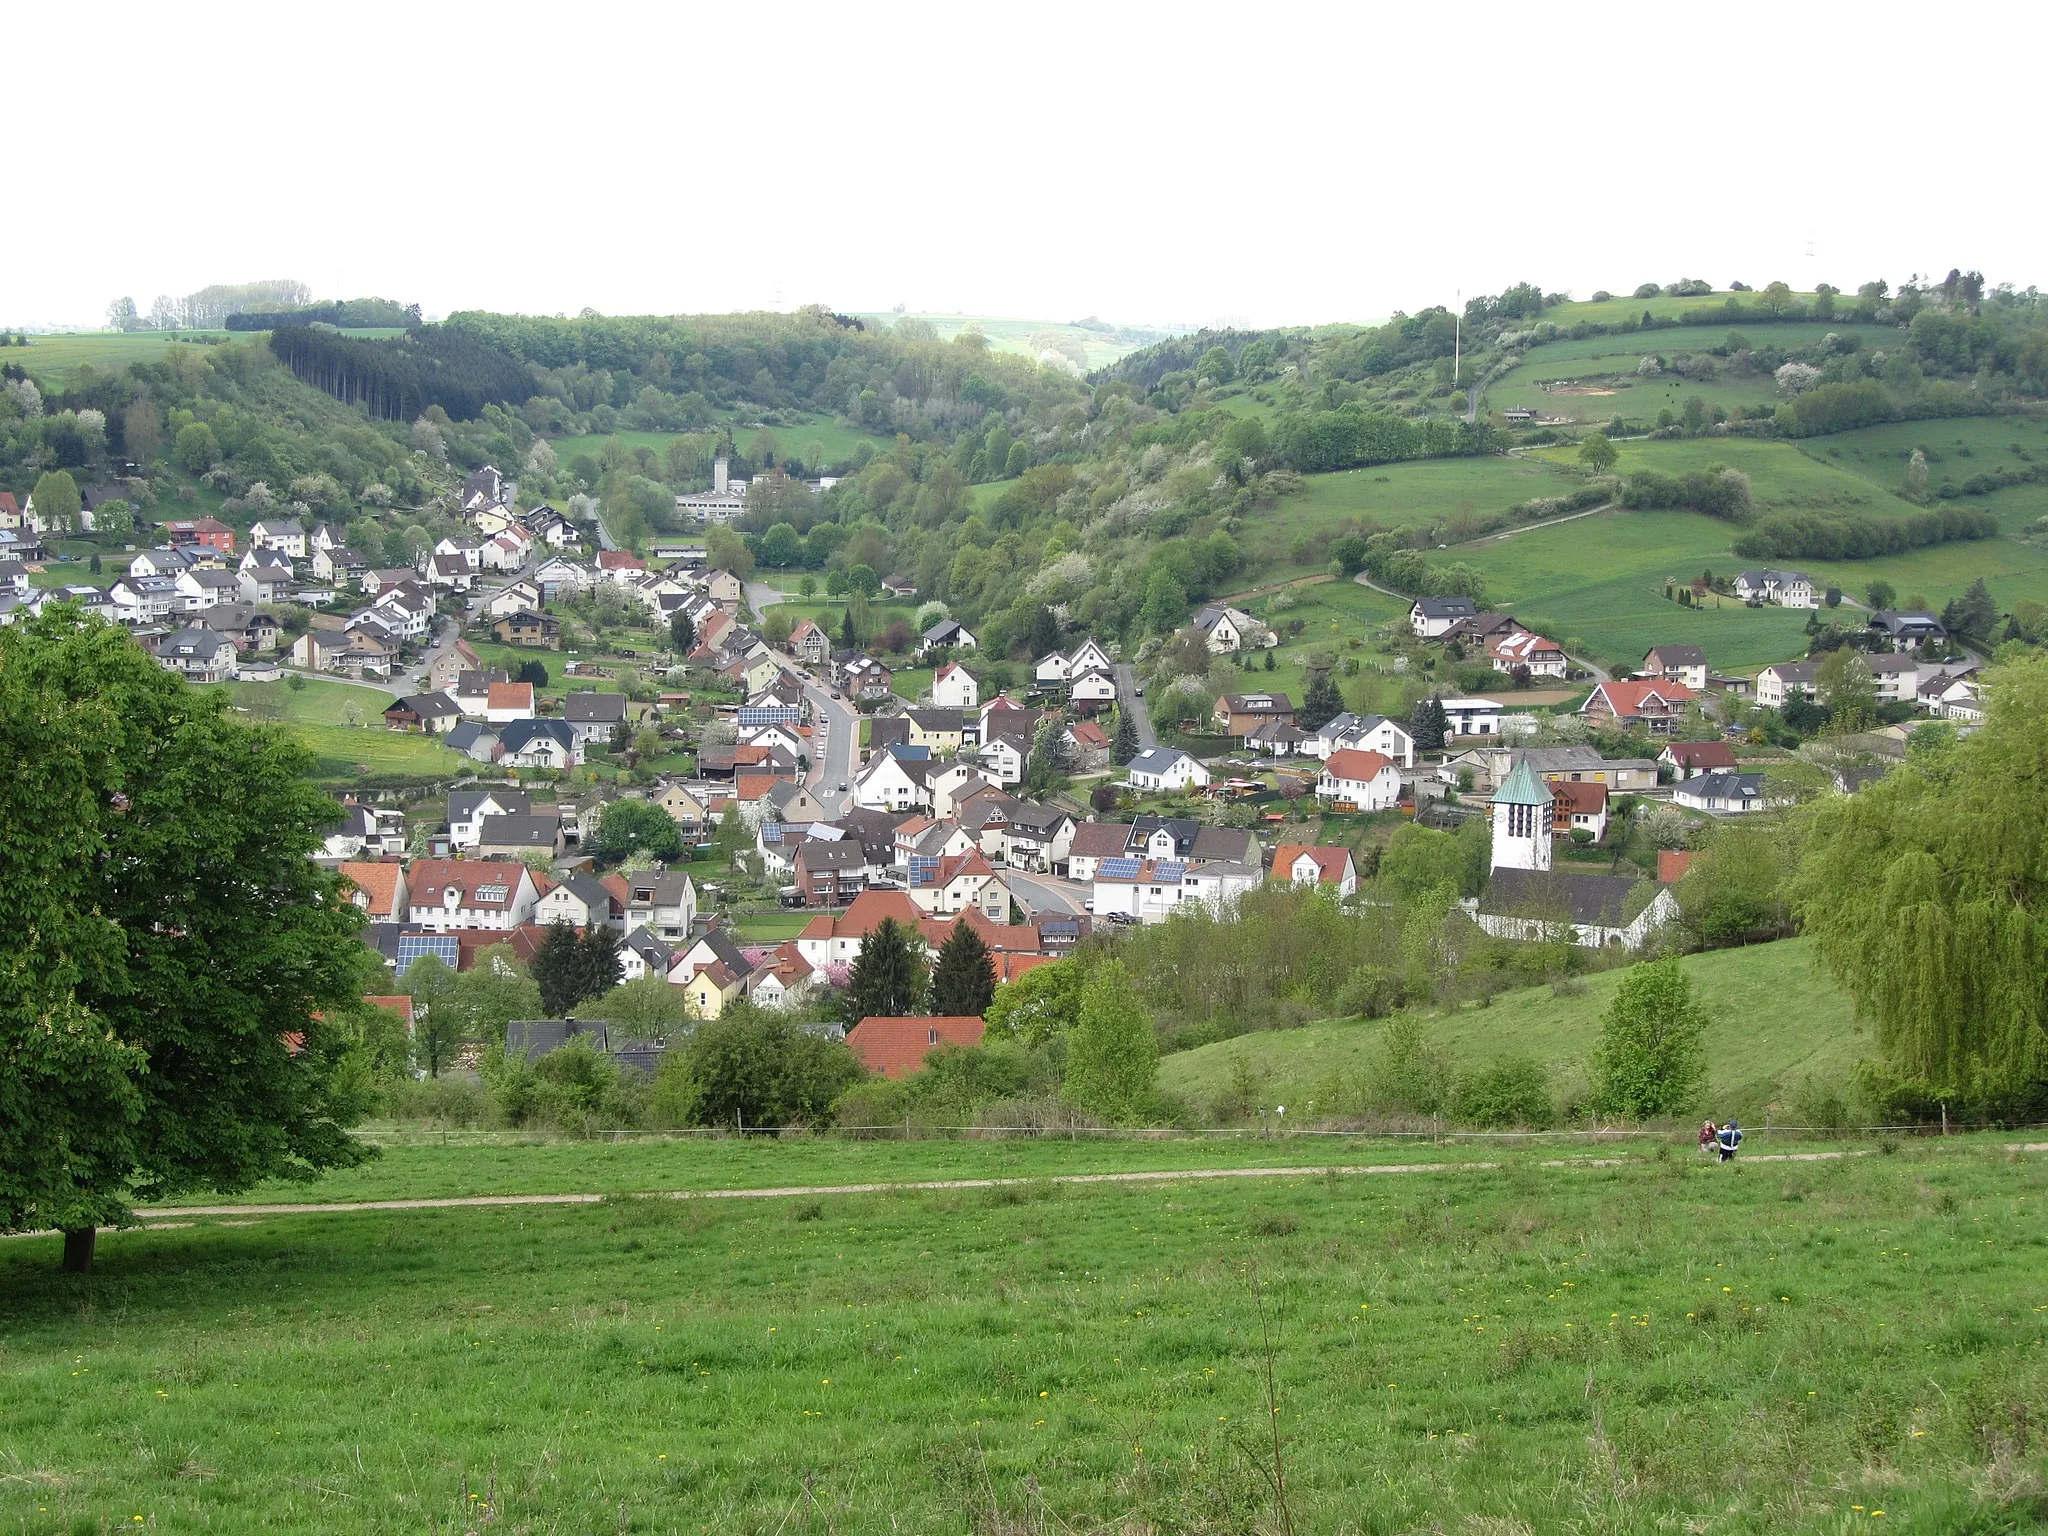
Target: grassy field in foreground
{"points": [[1667, 1345], [1600, 580], [1777, 1022]]}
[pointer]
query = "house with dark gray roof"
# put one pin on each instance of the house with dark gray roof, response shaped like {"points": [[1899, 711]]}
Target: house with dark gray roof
{"points": [[592, 715]]}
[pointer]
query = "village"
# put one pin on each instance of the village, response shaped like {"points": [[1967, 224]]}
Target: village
{"points": [[817, 788]]}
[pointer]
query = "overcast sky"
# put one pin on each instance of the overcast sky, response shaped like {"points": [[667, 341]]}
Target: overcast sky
{"points": [[1159, 164]]}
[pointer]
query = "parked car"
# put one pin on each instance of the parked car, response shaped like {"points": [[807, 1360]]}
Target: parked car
{"points": [[1123, 919]]}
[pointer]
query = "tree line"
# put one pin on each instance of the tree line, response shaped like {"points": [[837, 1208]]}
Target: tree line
{"points": [[399, 378]]}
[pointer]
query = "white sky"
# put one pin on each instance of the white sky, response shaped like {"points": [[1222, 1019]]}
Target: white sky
{"points": [[1156, 164]]}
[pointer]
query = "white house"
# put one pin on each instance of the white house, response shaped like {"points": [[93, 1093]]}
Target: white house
{"points": [[1788, 589], [947, 632], [446, 894], [1095, 686], [1543, 658], [1148, 890], [1166, 768], [954, 687], [514, 597], [1368, 733], [1310, 864], [887, 784], [1722, 792], [1063, 667], [287, 537], [1473, 717], [1225, 629], [1429, 617], [1365, 780], [1776, 685], [1685, 664]]}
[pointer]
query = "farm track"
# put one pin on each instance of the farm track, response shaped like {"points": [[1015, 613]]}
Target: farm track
{"points": [[162, 1215]]}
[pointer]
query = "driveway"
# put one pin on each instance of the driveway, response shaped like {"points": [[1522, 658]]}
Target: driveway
{"points": [[1127, 698]]}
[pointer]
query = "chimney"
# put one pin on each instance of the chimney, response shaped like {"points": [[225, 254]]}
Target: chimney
{"points": [[718, 474]]}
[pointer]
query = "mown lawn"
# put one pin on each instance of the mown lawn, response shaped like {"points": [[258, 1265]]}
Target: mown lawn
{"points": [[1778, 1023], [1663, 1345]]}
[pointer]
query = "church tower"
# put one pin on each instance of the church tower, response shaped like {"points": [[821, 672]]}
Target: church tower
{"points": [[1521, 821]]}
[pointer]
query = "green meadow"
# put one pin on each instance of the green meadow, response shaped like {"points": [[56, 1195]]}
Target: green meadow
{"points": [[1596, 399], [1427, 492], [1956, 449], [1016, 336], [1779, 1024], [318, 715], [55, 355], [1615, 310], [839, 443], [1599, 580], [1659, 1344]]}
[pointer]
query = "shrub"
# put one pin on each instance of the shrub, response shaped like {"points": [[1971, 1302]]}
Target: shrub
{"points": [[1514, 1090]]}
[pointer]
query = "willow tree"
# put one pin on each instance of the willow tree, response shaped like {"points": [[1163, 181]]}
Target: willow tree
{"points": [[1927, 896]]}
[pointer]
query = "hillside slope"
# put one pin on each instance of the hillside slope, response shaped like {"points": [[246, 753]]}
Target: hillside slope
{"points": [[1777, 1022]]}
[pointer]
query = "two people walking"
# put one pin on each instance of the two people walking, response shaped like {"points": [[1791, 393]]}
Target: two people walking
{"points": [[1723, 1139]]}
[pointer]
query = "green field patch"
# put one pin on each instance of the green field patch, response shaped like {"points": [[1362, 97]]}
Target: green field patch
{"points": [[839, 443], [1502, 1350], [1781, 478], [1957, 449], [2011, 569], [1778, 1022], [1019, 337], [1401, 495], [1596, 398], [1615, 310], [1600, 580]]}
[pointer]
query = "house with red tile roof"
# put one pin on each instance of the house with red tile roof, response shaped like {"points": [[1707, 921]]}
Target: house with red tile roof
{"points": [[958, 883], [1580, 806], [1315, 864], [1690, 759], [378, 887], [1359, 778], [506, 702], [447, 894], [397, 1003], [1646, 703], [897, 1047]]}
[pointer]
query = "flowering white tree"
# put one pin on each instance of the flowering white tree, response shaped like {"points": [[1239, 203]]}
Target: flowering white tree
{"points": [[1796, 378]]}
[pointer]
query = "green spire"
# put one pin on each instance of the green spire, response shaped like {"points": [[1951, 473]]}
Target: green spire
{"points": [[1522, 788]]}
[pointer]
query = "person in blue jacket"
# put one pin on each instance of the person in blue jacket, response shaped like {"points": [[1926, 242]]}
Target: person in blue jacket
{"points": [[1728, 1140]]}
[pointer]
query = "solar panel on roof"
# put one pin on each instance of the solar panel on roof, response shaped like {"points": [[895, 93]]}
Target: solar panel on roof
{"points": [[1171, 869], [443, 946], [1119, 869]]}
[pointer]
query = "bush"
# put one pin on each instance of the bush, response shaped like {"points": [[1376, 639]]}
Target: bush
{"points": [[1513, 1091]]}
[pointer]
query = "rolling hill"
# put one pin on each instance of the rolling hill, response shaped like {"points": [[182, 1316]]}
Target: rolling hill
{"points": [[1777, 1023]]}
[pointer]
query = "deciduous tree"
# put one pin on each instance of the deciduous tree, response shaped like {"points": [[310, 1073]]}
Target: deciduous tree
{"points": [[1112, 1053], [176, 963], [1651, 1057]]}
